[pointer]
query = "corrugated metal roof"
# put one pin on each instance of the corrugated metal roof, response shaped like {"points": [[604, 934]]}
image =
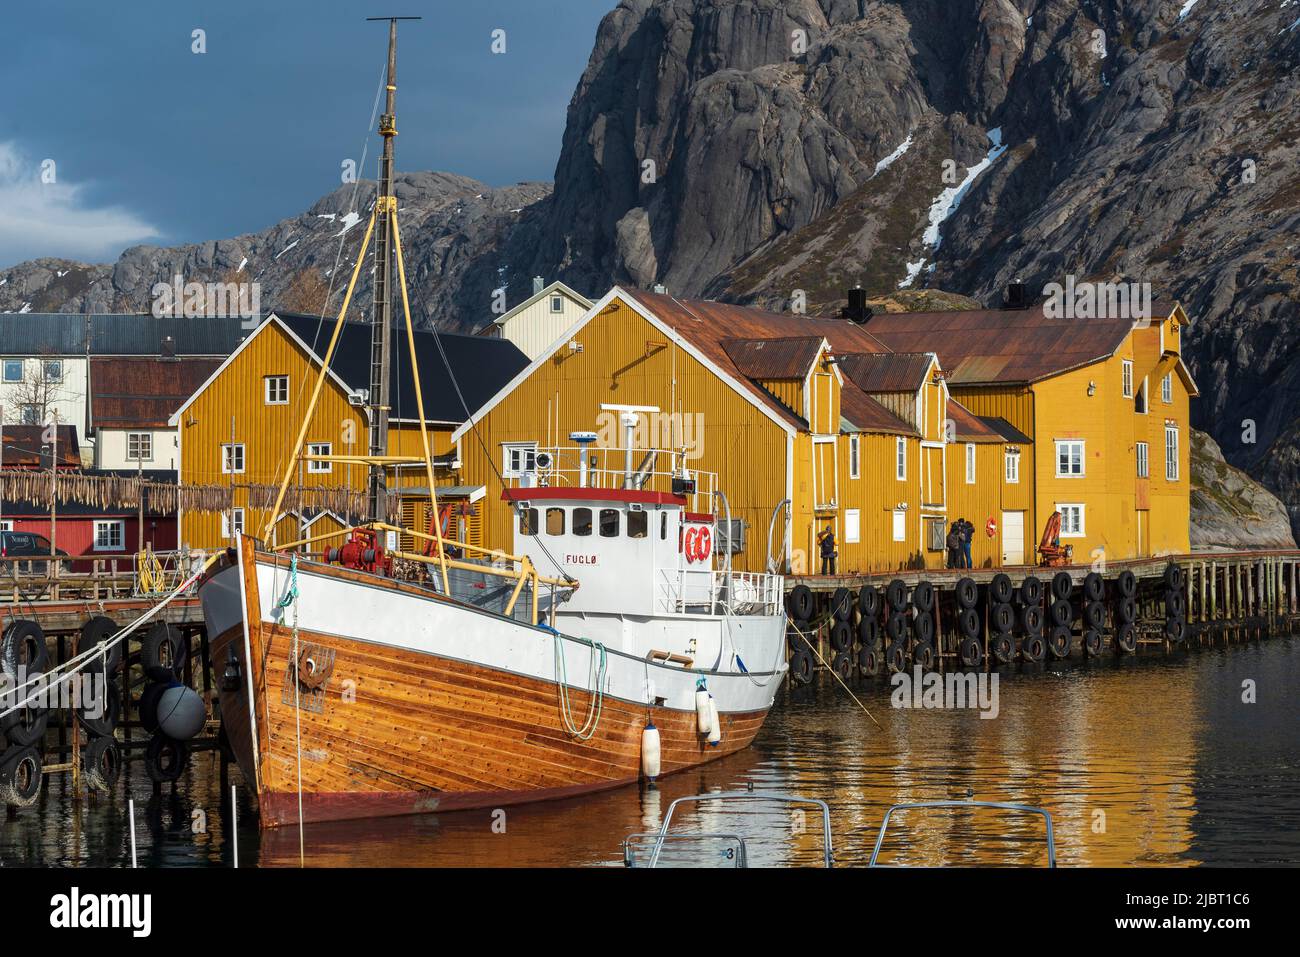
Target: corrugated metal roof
{"points": [[132, 392], [118, 334], [865, 414], [886, 371], [1005, 429], [969, 427], [781, 358], [22, 446]]}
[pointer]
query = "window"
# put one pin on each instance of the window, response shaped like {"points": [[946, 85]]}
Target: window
{"points": [[1071, 520], [1069, 458], [232, 458], [6, 525], [1143, 463], [663, 526], [30, 414], [320, 448], [970, 463], [13, 370], [520, 459], [277, 389], [1171, 453], [900, 466], [582, 521], [854, 452], [232, 523], [528, 521], [1126, 377], [53, 370], [609, 523], [557, 304], [555, 521], [638, 524], [852, 525], [139, 446], [1012, 467], [1167, 388], [108, 536], [1140, 403], [900, 525]]}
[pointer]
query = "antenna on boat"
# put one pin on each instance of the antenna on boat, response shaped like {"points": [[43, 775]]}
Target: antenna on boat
{"points": [[382, 313]]}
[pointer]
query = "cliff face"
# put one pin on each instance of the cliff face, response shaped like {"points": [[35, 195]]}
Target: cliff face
{"points": [[746, 149], [1229, 510]]}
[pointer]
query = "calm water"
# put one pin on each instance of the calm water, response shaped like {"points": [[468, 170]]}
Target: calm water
{"points": [[1147, 761]]}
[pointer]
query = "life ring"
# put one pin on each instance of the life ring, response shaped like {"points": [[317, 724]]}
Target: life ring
{"points": [[688, 544], [990, 528], [703, 545]]}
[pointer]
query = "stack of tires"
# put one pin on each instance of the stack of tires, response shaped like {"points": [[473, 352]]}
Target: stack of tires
{"points": [[1033, 647], [969, 649], [1060, 629], [24, 659], [1124, 609], [869, 630], [1002, 620], [897, 626], [1175, 604], [162, 658], [1094, 614], [923, 630], [799, 606], [842, 635], [99, 705]]}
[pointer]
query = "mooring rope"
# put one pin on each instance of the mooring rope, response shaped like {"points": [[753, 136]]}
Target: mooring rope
{"points": [[798, 632], [596, 677]]}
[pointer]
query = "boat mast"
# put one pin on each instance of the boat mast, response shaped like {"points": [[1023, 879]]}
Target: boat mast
{"points": [[381, 317]]}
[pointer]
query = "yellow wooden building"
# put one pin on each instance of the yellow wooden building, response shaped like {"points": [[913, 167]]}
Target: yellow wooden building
{"points": [[239, 426]]}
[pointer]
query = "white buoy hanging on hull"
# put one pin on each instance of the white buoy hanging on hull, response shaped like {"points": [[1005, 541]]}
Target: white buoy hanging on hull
{"points": [[703, 713], [650, 751], [715, 723]]}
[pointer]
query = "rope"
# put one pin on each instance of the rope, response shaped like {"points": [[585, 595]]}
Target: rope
{"points": [[837, 677], [596, 677]]}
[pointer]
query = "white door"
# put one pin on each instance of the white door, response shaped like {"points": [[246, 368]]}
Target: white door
{"points": [[1013, 538]]}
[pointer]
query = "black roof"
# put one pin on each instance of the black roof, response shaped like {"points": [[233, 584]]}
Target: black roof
{"points": [[481, 365], [1005, 429], [118, 334]]}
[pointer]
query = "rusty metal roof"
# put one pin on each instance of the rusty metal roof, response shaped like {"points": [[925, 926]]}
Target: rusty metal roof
{"points": [[787, 357], [865, 414], [142, 393], [1004, 345], [968, 427], [22, 447], [886, 371]]}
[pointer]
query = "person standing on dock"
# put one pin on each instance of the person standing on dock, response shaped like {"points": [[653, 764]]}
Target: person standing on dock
{"points": [[965, 531], [827, 541], [954, 547]]}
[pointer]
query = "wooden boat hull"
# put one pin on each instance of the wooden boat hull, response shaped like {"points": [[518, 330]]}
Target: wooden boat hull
{"points": [[421, 728]]}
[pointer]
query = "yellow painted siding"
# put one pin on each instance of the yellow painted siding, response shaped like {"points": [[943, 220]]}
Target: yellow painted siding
{"points": [[875, 495]]}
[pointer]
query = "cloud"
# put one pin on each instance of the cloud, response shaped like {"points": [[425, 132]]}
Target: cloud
{"points": [[53, 219]]}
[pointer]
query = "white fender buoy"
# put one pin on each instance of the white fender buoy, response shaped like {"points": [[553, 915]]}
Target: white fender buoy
{"points": [[650, 751], [703, 713], [181, 712], [715, 723]]}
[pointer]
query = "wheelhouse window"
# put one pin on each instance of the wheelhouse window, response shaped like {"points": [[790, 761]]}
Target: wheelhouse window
{"points": [[609, 523], [663, 526], [1171, 453], [900, 460], [1071, 520], [232, 458], [555, 521], [1011, 464], [277, 389], [638, 524], [320, 448], [854, 455], [139, 446], [519, 459], [528, 521], [582, 521], [108, 535], [1126, 377], [1143, 461], [1069, 458]]}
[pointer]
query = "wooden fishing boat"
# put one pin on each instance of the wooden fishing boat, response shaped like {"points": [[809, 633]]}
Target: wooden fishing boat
{"points": [[365, 680]]}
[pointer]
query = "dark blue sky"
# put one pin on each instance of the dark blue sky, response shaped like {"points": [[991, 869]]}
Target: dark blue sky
{"points": [[148, 137]]}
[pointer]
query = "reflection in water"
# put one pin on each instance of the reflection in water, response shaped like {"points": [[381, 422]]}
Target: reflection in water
{"points": [[1145, 761]]}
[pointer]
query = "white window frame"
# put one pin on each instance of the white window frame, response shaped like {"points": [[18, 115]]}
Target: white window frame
{"points": [[275, 389], [1171, 461], [900, 460], [1011, 467], [29, 413], [852, 526], [144, 446], [1082, 529], [508, 468], [970, 463], [319, 448], [6, 525], [855, 456], [111, 526], [5, 370], [1126, 378], [557, 303], [45, 370], [1142, 453], [237, 514], [1083, 458], [1167, 389], [229, 453], [900, 525]]}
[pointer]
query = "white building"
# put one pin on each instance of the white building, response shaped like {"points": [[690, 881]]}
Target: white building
{"points": [[538, 321]]}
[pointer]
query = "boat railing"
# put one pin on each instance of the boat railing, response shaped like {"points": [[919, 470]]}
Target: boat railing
{"points": [[650, 470], [717, 591], [995, 805]]}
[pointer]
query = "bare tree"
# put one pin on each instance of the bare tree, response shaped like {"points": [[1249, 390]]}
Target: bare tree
{"points": [[32, 400]]}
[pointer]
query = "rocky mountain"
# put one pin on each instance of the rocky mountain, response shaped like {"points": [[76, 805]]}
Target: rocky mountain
{"points": [[1229, 509], [746, 149]]}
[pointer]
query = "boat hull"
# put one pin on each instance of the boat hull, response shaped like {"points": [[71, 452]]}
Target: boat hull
{"points": [[435, 706]]}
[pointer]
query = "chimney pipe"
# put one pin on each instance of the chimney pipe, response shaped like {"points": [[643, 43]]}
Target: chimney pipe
{"points": [[538, 284], [857, 310], [168, 350], [1017, 295]]}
